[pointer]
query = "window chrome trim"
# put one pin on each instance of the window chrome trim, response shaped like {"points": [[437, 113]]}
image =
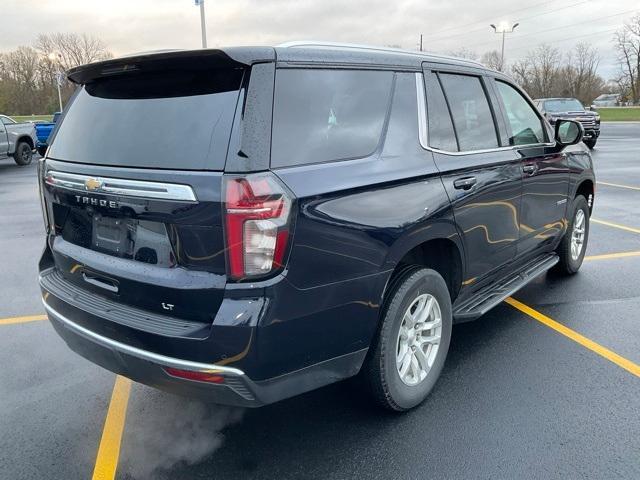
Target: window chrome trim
{"points": [[422, 110], [139, 353], [423, 128], [120, 186]]}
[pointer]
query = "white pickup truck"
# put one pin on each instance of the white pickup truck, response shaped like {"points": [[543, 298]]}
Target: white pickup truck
{"points": [[17, 140]]}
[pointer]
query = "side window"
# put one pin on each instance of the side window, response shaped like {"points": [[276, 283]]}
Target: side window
{"points": [[7, 120], [325, 115], [526, 126], [441, 134], [471, 113]]}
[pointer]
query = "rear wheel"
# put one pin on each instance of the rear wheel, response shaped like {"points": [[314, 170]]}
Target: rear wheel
{"points": [[574, 243], [591, 143], [23, 154], [411, 346]]}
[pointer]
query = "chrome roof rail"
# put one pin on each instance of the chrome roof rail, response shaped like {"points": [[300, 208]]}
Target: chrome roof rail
{"points": [[354, 46]]}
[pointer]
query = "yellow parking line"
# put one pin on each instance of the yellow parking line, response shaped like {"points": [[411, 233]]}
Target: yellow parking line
{"points": [[607, 256], [616, 225], [622, 362], [109, 450], [618, 185], [29, 318]]}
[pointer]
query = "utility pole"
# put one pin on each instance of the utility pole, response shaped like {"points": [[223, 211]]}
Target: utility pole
{"points": [[420, 42], [203, 25], [503, 28]]}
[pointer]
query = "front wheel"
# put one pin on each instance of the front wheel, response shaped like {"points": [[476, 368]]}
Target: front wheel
{"points": [[411, 346], [23, 154], [574, 243]]}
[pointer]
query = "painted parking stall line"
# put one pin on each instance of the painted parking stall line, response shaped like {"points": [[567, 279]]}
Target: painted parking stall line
{"points": [[109, 450], [610, 256], [618, 185], [25, 319], [616, 225], [604, 352]]}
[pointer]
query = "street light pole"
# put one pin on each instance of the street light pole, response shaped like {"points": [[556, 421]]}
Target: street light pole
{"points": [[503, 28], [203, 25], [56, 57], [58, 82]]}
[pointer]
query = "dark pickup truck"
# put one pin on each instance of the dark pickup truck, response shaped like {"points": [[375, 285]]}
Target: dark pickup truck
{"points": [[571, 108], [251, 223]]}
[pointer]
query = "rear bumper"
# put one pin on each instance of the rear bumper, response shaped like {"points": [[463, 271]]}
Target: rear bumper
{"points": [[237, 389]]}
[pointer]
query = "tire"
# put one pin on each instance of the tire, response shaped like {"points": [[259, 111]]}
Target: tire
{"points": [[381, 373], [23, 154], [570, 262], [591, 143]]}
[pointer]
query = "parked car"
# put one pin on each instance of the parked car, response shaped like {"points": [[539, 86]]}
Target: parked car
{"points": [[253, 223], [17, 140], [43, 130], [570, 108], [607, 100]]}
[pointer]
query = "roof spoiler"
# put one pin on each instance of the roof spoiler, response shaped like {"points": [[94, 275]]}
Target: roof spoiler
{"points": [[234, 57]]}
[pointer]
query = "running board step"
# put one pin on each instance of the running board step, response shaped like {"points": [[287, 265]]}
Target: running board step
{"points": [[491, 295]]}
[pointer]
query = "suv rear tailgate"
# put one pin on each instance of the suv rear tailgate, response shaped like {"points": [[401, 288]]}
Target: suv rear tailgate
{"points": [[132, 185]]}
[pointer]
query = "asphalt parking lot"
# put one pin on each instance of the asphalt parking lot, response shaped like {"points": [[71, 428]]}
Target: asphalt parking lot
{"points": [[546, 386]]}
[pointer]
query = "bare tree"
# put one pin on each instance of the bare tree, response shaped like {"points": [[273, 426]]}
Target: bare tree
{"points": [[578, 76], [73, 49], [19, 78], [493, 60], [27, 75], [545, 73], [627, 43]]}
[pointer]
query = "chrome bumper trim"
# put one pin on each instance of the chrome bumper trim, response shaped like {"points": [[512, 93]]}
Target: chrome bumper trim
{"points": [[138, 352]]}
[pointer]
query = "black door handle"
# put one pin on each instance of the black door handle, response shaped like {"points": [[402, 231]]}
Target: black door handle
{"points": [[530, 168], [464, 183]]}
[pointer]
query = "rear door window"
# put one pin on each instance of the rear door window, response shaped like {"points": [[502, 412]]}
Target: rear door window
{"points": [[326, 115], [470, 110], [173, 120]]}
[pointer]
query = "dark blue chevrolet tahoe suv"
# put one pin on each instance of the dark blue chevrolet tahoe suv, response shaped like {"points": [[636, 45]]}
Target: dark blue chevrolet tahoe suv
{"points": [[248, 224]]}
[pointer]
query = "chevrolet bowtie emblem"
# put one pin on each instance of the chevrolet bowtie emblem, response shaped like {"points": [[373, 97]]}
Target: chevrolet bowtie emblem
{"points": [[92, 184]]}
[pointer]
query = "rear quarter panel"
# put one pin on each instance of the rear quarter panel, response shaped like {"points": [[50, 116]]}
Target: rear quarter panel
{"points": [[355, 221]]}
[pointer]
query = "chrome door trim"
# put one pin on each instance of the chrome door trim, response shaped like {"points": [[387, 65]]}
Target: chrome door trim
{"points": [[120, 186]]}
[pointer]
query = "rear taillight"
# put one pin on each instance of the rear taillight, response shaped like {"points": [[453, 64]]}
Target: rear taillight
{"points": [[257, 224]]}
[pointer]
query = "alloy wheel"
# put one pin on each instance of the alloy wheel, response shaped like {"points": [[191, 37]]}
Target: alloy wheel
{"points": [[418, 339], [578, 233]]}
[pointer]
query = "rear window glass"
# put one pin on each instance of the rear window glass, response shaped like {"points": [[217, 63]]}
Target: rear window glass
{"points": [[172, 120], [325, 115]]}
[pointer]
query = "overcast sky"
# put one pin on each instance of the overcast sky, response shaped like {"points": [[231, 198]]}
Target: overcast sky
{"points": [[447, 25]]}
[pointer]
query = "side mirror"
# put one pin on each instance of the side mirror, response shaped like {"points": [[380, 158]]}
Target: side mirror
{"points": [[568, 132]]}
